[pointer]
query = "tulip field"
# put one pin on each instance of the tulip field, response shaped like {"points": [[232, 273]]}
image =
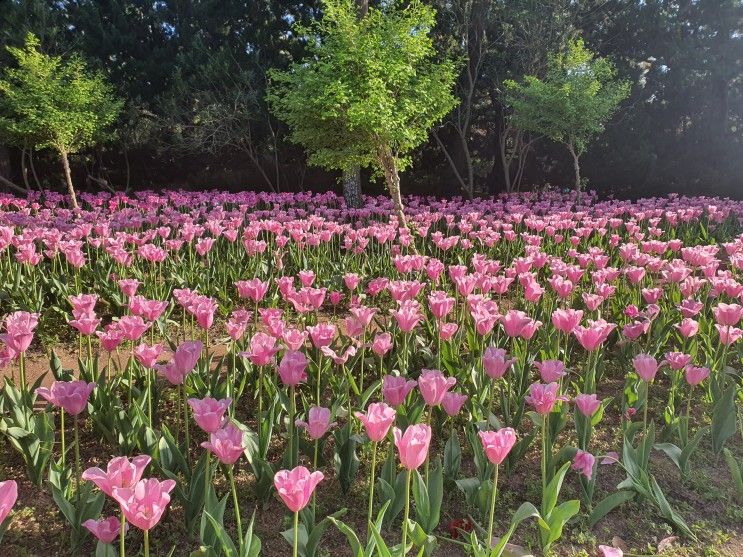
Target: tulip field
{"points": [[242, 374]]}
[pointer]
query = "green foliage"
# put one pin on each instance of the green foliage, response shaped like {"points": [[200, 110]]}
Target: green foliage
{"points": [[48, 102], [574, 100], [369, 85]]}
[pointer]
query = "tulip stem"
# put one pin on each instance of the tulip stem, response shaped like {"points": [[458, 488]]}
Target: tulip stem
{"points": [[371, 486], [545, 443], [122, 535], [77, 461], [206, 478], [236, 505], [296, 533], [185, 425], [149, 396], [146, 543], [292, 403], [22, 365], [492, 507], [61, 431], [403, 549]]}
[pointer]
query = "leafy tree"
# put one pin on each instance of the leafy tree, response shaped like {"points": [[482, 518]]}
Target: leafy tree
{"points": [[52, 103], [370, 91], [572, 103]]}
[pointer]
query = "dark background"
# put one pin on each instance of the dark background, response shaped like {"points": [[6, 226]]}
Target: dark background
{"points": [[179, 64]]}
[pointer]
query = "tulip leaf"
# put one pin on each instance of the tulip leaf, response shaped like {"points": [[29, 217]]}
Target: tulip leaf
{"points": [[608, 504]]}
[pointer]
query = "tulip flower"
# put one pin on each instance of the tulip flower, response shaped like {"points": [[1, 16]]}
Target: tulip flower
{"points": [[497, 445], [583, 463], [433, 386], [608, 551], [495, 362], [295, 487], [412, 446], [8, 497], [551, 370], [121, 472], [452, 403], [105, 530], [318, 422], [143, 504], [395, 389]]}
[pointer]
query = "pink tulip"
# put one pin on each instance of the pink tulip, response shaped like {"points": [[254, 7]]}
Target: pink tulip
{"points": [[543, 397], [433, 385], [237, 324], [453, 402], [8, 497], [551, 370], [440, 303], [728, 314], [514, 322], [86, 324], [495, 362], [677, 360], [728, 335], [226, 444], [593, 336], [254, 289], [120, 472], [608, 551], [318, 422], [447, 330], [497, 444], [148, 355], [292, 368], [306, 278], [209, 412], [111, 338], [695, 375], [587, 404], [395, 389], [377, 420], [204, 311], [322, 334], [351, 280], [382, 344], [408, 315], [262, 349], [71, 396], [412, 446], [132, 327], [143, 504], [565, 320], [294, 339], [646, 367], [19, 327], [129, 287], [105, 530], [583, 463], [688, 327], [295, 487]]}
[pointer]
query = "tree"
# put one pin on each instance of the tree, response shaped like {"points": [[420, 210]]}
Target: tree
{"points": [[572, 103], [369, 92], [48, 102]]}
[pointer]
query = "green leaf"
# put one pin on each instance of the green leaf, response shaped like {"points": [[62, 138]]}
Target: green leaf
{"points": [[608, 504], [735, 472], [723, 419]]}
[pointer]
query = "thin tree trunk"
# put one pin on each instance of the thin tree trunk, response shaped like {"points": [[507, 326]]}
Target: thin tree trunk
{"points": [[576, 168], [352, 176], [33, 169], [8, 184], [24, 169], [68, 179], [392, 178]]}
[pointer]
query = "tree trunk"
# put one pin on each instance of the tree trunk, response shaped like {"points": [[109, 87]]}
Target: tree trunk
{"points": [[352, 187], [576, 168], [68, 179], [392, 178], [352, 176]]}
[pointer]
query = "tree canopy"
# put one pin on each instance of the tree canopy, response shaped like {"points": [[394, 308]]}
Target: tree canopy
{"points": [[50, 103], [369, 90], [573, 102]]}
